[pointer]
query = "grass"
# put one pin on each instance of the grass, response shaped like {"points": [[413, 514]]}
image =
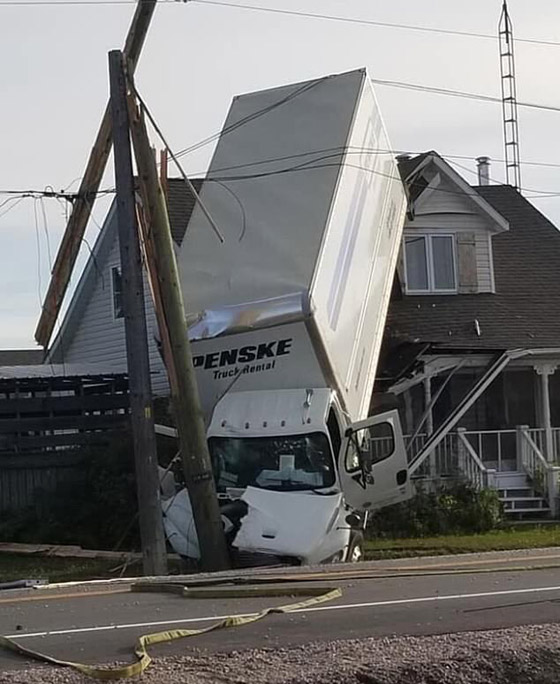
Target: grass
{"points": [[507, 539], [15, 566]]}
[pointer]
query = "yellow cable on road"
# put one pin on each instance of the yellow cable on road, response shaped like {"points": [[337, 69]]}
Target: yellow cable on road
{"points": [[316, 595]]}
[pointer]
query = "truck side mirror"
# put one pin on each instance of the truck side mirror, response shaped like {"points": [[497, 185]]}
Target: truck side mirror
{"points": [[349, 432]]}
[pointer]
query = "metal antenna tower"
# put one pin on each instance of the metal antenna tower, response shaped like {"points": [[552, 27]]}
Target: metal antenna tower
{"points": [[509, 100]]}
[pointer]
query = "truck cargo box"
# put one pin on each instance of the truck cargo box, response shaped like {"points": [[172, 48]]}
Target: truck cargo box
{"points": [[305, 190]]}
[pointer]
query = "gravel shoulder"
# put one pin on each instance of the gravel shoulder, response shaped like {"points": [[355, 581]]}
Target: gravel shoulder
{"points": [[526, 655]]}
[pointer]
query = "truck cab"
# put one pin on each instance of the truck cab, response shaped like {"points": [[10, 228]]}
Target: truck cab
{"points": [[296, 480]]}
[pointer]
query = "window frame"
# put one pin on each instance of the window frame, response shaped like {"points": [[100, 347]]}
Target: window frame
{"points": [[428, 237], [114, 294], [358, 468]]}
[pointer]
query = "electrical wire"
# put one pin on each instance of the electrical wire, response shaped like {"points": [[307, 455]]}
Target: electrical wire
{"points": [[14, 203], [376, 150], [382, 82], [70, 197], [251, 117], [369, 22], [287, 12], [38, 246], [46, 230], [538, 193], [312, 165], [459, 93], [185, 177], [336, 151]]}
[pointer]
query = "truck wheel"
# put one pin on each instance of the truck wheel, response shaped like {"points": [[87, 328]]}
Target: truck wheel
{"points": [[356, 550]]}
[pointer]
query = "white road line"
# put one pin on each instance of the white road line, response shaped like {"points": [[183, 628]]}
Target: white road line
{"points": [[348, 606]]}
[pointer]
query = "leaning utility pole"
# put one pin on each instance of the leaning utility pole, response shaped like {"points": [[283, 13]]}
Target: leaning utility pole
{"points": [[188, 412], [145, 453], [81, 210]]}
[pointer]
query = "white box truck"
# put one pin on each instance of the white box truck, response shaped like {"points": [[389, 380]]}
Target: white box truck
{"points": [[286, 319]]}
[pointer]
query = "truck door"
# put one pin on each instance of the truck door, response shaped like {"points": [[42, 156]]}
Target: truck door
{"points": [[373, 465]]}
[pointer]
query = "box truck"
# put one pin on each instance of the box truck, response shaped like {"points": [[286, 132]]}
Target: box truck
{"points": [[286, 319]]}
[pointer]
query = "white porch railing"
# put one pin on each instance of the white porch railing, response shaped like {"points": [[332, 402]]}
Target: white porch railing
{"points": [[493, 446], [545, 477], [470, 465], [538, 435], [442, 462], [454, 456], [478, 456]]}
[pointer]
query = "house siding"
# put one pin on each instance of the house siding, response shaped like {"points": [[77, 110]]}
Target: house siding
{"points": [[445, 210], [100, 338]]}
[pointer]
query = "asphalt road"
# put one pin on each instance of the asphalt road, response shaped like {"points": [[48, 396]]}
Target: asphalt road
{"points": [[101, 627]]}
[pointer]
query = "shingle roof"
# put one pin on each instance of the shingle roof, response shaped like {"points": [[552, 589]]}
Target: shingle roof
{"points": [[180, 205], [407, 164], [524, 311]]}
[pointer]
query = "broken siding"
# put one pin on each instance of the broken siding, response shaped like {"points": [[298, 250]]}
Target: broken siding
{"points": [[100, 338]]}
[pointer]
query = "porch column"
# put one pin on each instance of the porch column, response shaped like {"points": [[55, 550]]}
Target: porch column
{"points": [[427, 401], [545, 370], [427, 382]]}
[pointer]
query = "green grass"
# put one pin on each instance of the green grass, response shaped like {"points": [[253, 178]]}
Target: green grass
{"points": [[25, 566], [507, 539], [15, 566]]}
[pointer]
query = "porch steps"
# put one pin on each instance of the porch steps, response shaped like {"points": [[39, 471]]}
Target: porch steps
{"points": [[518, 496], [526, 504]]}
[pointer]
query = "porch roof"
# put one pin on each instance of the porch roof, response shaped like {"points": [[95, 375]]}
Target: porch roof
{"points": [[525, 310]]}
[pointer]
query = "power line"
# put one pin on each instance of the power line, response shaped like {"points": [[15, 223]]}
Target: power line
{"points": [[69, 196], [281, 11], [311, 165], [251, 117], [38, 3], [185, 177], [392, 84], [538, 193], [337, 152], [457, 93], [369, 22], [14, 201]]}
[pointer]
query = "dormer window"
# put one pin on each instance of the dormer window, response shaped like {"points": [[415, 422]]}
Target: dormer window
{"points": [[430, 264]]}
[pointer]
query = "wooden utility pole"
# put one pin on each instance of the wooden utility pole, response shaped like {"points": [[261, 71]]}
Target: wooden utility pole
{"points": [[75, 229], [145, 453], [188, 412]]}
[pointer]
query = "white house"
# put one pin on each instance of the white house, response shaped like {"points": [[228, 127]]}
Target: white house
{"points": [[478, 276]]}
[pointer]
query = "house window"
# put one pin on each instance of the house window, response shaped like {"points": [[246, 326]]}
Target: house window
{"points": [[430, 263], [116, 282]]}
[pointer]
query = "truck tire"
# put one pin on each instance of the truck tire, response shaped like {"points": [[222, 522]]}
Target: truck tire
{"points": [[356, 548]]}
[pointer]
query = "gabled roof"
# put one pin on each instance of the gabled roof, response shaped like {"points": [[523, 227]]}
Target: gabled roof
{"points": [[524, 311], [410, 169], [180, 205], [180, 202]]}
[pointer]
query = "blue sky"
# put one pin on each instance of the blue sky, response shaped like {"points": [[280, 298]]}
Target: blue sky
{"points": [[197, 57]]}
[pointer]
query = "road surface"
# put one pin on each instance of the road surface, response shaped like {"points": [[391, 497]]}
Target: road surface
{"points": [[101, 625]]}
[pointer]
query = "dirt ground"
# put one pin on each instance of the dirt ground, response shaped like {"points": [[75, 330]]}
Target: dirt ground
{"points": [[527, 655]]}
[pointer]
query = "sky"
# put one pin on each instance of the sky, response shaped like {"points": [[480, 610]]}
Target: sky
{"points": [[197, 56]]}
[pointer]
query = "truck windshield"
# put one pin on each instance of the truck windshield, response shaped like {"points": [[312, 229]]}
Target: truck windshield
{"points": [[288, 463]]}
